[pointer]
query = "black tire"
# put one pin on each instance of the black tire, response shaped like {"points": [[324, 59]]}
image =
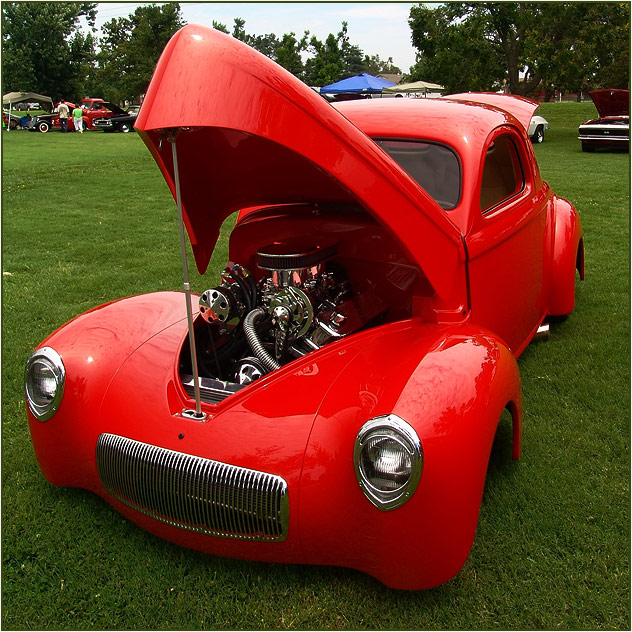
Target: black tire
{"points": [[13, 124], [538, 136], [125, 128], [43, 126], [587, 148]]}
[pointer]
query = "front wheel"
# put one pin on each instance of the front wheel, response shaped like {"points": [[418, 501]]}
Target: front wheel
{"points": [[587, 148], [43, 126], [125, 128]]}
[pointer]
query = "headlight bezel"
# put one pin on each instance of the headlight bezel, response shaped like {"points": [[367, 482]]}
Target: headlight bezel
{"points": [[51, 360], [395, 429]]}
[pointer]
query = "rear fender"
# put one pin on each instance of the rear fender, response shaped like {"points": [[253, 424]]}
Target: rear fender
{"points": [[568, 257], [451, 384]]}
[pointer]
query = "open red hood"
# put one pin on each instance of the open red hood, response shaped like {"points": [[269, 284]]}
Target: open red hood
{"points": [[251, 134], [611, 102], [520, 107]]}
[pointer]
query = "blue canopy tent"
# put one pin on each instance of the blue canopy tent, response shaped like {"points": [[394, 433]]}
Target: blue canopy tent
{"points": [[358, 84]]}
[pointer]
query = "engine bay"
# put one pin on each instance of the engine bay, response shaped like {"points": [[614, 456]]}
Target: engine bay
{"points": [[292, 296]]}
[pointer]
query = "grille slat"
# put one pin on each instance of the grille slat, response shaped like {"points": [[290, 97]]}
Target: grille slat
{"points": [[194, 493]]}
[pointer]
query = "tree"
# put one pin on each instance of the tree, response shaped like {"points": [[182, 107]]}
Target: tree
{"points": [[328, 61], [265, 44], [130, 48], [44, 49], [352, 55], [482, 45], [326, 66], [333, 60], [376, 66], [593, 49], [288, 53]]}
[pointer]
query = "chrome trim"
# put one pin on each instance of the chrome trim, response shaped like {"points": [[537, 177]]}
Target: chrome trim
{"points": [[614, 125], [393, 427], [542, 332], [605, 137], [212, 391], [49, 357], [194, 493]]}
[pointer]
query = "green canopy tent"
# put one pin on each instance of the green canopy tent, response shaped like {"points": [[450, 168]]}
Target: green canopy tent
{"points": [[20, 97]]}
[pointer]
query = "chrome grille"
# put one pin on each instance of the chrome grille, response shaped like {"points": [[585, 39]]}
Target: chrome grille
{"points": [[194, 493]]}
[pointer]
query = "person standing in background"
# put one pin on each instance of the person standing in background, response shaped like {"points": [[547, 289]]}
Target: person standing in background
{"points": [[64, 112], [77, 113]]}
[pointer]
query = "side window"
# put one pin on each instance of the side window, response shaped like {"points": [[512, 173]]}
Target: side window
{"points": [[434, 166], [503, 176]]}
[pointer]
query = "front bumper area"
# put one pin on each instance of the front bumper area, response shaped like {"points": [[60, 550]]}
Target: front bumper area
{"points": [[194, 493]]}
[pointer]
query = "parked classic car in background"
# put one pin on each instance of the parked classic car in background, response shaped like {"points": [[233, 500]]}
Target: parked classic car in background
{"points": [[93, 108], [10, 120], [612, 128], [390, 260], [537, 126], [119, 123]]}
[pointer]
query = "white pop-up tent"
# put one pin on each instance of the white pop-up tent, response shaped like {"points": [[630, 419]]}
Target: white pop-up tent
{"points": [[20, 97], [421, 87]]}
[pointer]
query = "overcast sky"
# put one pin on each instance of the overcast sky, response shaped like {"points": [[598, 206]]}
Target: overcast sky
{"points": [[377, 28]]}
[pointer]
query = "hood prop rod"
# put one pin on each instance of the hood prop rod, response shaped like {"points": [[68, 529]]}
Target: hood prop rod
{"points": [[196, 414]]}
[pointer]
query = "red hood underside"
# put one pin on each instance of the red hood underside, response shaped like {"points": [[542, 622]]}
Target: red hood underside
{"points": [[248, 133], [611, 102]]}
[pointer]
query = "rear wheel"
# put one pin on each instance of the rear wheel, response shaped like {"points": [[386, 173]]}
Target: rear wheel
{"points": [[538, 137], [43, 126]]}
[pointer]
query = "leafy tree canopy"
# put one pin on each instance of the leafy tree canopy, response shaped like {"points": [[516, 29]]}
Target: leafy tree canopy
{"points": [[315, 62], [43, 48], [483, 45], [130, 48]]}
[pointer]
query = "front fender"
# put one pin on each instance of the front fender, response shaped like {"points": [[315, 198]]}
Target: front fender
{"points": [[451, 384], [93, 346], [568, 256]]}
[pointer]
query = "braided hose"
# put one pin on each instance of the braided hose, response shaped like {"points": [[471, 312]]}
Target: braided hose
{"points": [[258, 349]]}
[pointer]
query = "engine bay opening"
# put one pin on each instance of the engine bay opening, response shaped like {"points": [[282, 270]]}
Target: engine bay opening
{"points": [[280, 299]]}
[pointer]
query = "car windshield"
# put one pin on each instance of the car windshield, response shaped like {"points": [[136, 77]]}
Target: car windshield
{"points": [[435, 167]]}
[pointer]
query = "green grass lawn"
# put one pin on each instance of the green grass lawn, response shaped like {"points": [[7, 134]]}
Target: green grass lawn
{"points": [[88, 218]]}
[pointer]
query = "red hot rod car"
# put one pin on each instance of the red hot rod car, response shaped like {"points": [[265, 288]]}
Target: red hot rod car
{"points": [[339, 390]]}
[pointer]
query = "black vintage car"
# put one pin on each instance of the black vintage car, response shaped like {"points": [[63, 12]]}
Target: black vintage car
{"points": [[119, 123]]}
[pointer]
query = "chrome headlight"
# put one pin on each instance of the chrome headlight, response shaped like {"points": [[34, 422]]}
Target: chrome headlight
{"points": [[44, 382], [388, 461]]}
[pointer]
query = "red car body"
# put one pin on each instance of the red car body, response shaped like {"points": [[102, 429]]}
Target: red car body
{"points": [[612, 129], [437, 299]]}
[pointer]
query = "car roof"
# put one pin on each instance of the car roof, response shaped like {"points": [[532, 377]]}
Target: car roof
{"points": [[462, 125]]}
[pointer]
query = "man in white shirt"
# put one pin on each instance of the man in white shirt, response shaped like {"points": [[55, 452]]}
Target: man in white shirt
{"points": [[63, 112]]}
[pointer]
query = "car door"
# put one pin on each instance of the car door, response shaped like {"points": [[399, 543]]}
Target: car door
{"points": [[506, 243]]}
